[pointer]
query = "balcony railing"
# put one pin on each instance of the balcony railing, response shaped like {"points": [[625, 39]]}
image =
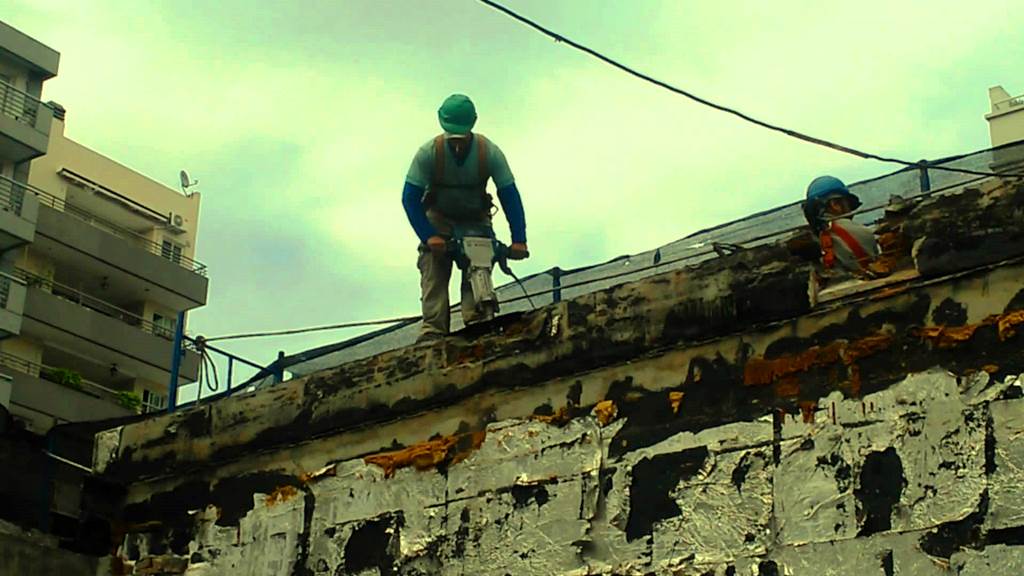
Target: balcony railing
{"points": [[5, 289], [96, 305], [19, 105], [1004, 105], [49, 373], [12, 195], [59, 204]]}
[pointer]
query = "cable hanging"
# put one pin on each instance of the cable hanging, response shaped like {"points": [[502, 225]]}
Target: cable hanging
{"points": [[721, 108]]}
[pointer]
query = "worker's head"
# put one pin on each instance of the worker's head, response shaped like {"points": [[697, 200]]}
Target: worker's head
{"points": [[832, 196], [457, 114]]}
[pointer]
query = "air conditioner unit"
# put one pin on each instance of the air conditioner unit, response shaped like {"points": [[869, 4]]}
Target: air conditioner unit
{"points": [[176, 223]]}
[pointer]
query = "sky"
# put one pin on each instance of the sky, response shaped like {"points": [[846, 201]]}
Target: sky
{"points": [[300, 120]]}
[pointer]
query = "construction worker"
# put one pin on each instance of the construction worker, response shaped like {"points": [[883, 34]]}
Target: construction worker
{"points": [[844, 242], [446, 184]]}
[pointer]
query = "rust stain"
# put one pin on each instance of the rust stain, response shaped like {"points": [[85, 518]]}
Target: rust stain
{"points": [[605, 411], [1007, 324], [990, 368], [675, 399], [788, 386], [783, 371], [867, 346], [944, 337], [760, 372], [281, 494], [807, 408], [559, 418], [430, 454]]}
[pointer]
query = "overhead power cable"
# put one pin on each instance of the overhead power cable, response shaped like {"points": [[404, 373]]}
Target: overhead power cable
{"points": [[528, 295], [722, 108]]}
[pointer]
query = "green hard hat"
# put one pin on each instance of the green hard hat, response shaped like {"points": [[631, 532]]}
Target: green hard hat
{"points": [[457, 114]]}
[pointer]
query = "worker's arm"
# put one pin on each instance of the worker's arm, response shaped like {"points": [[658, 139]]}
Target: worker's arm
{"points": [[412, 200], [512, 204]]}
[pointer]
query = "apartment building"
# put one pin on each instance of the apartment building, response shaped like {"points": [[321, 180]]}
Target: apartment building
{"points": [[97, 264]]}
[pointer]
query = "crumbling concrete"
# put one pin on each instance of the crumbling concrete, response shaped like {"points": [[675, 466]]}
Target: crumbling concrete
{"points": [[741, 417]]}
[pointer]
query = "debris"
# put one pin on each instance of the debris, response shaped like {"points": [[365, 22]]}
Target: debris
{"points": [[605, 411], [675, 399], [329, 470], [559, 418], [281, 494]]}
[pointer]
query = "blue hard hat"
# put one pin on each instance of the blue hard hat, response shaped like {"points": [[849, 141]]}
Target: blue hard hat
{"points": [[823, 187]]}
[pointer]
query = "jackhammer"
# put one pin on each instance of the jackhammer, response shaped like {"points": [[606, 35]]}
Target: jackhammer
{"points": [[475, 250]]}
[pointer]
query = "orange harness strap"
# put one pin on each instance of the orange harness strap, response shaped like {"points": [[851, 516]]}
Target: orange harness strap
{"points": [[828, 253]]}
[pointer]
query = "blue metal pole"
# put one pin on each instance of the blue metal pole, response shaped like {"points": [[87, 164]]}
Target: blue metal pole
{"points": [[279, 368], [926, 182], [556, 284], [177, 353], [231, 365]]}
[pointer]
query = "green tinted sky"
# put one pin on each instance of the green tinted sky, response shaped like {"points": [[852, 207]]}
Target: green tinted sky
{"points": [[300, 119]]}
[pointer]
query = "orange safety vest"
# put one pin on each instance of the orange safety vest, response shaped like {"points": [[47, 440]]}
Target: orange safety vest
{"points": [[828, 254]]}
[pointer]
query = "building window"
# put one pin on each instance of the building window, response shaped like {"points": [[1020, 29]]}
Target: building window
{"points": [[163, 326], [153, 402], [171, 251]]}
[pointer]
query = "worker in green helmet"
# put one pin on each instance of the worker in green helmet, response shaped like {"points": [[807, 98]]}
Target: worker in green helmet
{"points": [[447, 184]]}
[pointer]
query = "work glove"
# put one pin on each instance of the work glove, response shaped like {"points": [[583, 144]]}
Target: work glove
{"points": [[437, 244], [518, 251]]}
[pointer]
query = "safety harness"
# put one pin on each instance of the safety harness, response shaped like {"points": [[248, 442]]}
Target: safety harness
{"points": [[828, 253], [459, 202]]}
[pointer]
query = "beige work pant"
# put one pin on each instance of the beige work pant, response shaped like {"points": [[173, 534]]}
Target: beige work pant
{"points": [[435, 273]]}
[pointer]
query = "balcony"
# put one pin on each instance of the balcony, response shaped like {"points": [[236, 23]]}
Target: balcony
{"points": [[12, 304], [99, 332], [78, 238], [18, 214], [24, 125], [43, 397]]}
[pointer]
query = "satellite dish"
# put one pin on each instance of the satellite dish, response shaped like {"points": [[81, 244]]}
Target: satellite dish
{"points": [[186, 182]]}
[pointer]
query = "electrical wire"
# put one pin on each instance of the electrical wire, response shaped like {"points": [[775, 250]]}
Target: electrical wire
{"points": [[722, 108], [528, 295]]}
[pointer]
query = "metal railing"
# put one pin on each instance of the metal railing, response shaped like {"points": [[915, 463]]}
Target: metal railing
{"points": [[19, 105], [95, 304], [5, 290], [1007, 104], [12, 195], [61, 205], [48, 373]]}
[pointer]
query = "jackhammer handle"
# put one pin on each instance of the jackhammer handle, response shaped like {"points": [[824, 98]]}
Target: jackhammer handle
{"points": [[518, 254]]}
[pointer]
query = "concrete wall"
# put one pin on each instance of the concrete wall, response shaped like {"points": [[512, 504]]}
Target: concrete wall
{"points": [[1006, 120], [178, 282], [920, 479], [66, 153], [23, 553], [731, 419]]}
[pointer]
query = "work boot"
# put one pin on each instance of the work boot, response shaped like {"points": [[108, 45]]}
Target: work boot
{"points": [[429, 337]]}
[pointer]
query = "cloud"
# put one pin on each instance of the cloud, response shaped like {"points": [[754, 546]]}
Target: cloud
{"points": [[301, 119]]}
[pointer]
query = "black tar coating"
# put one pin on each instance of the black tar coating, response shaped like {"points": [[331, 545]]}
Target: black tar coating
{"points": [[232, 496], [887, 564], [881, 485], [949, 312], [374, 545], [754, 300], [654, 479]]}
